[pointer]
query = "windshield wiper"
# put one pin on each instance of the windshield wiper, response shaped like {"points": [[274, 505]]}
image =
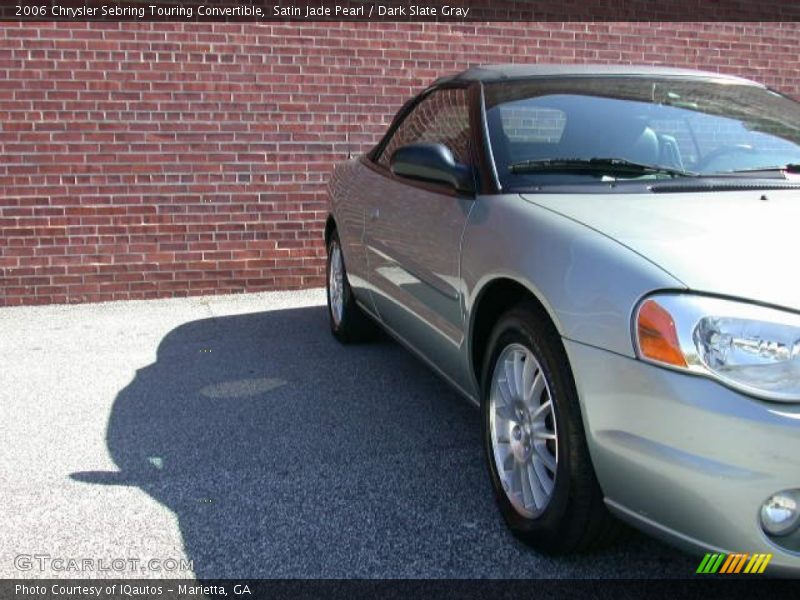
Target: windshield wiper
{"points": [[618, 166], [787, 168]]}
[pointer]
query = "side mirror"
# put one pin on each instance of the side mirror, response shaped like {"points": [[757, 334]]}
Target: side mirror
{"points": [[434, 163]]}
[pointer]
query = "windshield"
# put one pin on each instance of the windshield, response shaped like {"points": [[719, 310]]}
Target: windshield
{"points": [[542, 130]]}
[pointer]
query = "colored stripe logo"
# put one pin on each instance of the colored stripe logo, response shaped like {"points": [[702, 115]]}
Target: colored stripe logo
{"points": [[738, 562]]}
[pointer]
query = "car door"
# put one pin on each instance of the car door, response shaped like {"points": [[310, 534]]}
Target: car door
{"points": [[413, 235]]}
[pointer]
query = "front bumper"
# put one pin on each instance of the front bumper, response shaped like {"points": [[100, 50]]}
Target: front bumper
{"points": [[686, 458]]}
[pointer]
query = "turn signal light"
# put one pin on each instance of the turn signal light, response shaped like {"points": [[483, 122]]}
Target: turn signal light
{"points": [[657, 337]]}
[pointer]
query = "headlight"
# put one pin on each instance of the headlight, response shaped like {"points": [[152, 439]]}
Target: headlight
{"points": [[751, 348]]}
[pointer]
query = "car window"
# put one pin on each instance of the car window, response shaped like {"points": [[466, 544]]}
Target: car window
{"points": [[442, 117], [530, 130], [680, 132], [531, 125], [691, 126]]}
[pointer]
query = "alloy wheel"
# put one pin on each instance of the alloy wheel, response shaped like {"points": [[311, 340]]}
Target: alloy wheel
{"points": [[336, 283], [523, 430]]}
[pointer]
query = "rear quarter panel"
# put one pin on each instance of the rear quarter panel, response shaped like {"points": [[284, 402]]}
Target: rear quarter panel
{"points": [[350, 189]]}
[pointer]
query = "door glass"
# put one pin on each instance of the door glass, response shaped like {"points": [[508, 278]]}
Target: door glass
{"points": [[442, 117]]}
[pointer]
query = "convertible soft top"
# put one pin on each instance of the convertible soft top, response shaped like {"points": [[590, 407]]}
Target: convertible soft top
{"points": [[490, 73]]}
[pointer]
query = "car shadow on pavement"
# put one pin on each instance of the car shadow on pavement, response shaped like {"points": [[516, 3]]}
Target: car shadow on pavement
{"points": [[285, 454]]}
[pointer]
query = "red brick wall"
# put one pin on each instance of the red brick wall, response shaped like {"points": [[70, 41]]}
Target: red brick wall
{"points": [[145, 160]]}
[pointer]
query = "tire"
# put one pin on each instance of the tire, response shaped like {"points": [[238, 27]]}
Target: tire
{"points": [[570, 517], [349, 324]]}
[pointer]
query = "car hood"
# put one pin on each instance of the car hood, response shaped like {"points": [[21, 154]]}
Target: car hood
{"points": [[730, 243]]}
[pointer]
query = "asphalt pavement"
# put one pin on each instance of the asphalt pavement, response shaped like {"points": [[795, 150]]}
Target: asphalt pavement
{"points": [[235, 434]]}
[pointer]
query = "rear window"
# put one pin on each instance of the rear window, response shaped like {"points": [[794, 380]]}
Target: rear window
{"points": [[531, 125]]}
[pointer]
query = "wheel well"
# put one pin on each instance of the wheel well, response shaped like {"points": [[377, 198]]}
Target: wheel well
{"points": [[330, 225], [495, 299]]}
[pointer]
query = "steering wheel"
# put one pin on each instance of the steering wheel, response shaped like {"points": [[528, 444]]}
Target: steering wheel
{"points": [[717, 153]]}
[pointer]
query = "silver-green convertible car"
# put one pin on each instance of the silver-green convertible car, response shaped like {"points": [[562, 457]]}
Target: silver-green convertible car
{"points": [[606, 260]]}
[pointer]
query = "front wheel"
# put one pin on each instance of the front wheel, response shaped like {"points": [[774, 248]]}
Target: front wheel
{"points": [[534, 439], [348, 322]]}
